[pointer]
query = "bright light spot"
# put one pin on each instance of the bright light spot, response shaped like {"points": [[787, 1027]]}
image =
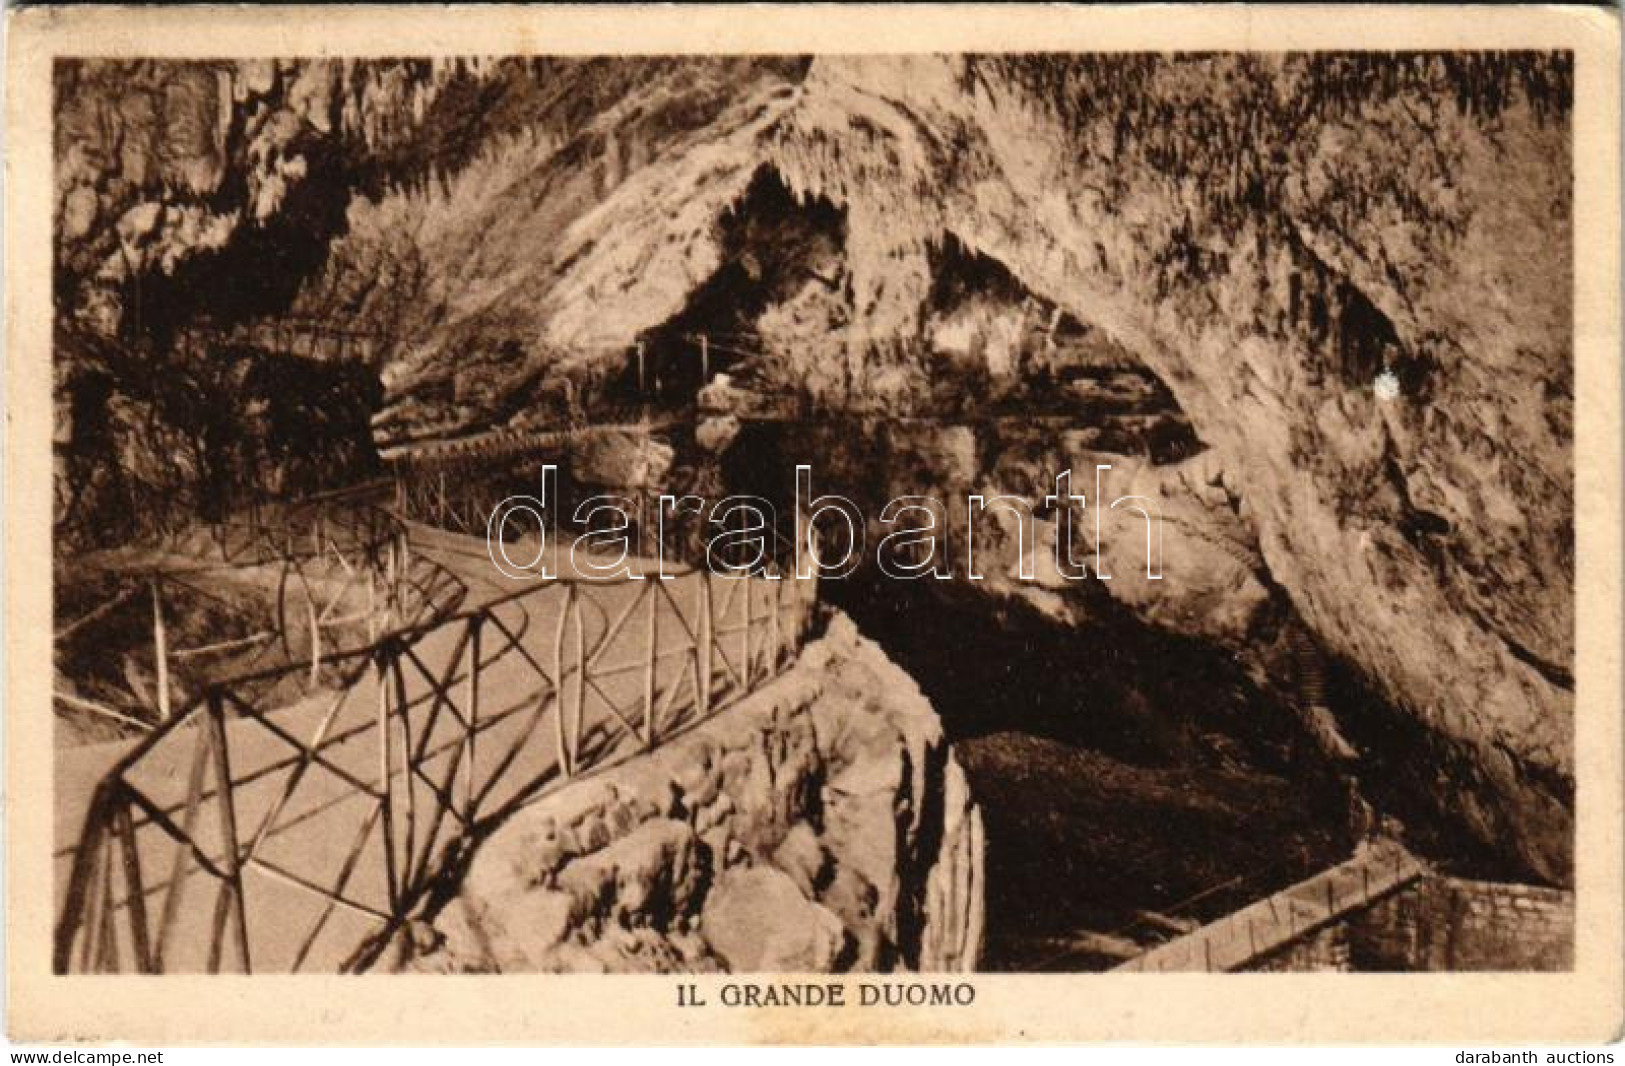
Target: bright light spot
{"points": [[1386, 386]]}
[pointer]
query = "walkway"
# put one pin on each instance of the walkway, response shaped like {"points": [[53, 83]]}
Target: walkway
{"points": [[501, 443], [1240, 938]]}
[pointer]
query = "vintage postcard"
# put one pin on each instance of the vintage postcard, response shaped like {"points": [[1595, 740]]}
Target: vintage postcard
{"points": [[813, 525]]}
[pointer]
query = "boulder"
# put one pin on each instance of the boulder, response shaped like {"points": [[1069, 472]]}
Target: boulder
{"points": [[715, 433], [759, 921], [622, 459]]}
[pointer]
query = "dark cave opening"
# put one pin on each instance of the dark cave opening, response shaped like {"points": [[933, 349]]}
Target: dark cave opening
{"points": [[1427, 785], [772, 245], [261, 271], [1121, 768]]}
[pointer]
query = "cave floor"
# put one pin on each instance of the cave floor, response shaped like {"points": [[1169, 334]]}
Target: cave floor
{"points": [[1083, 843]]}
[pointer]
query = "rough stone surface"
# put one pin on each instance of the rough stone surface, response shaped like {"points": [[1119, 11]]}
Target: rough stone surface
{"points": [[821, 824], [1445, 923], [757, 919], [1271, 253], [619, 458], [1427, 539]]}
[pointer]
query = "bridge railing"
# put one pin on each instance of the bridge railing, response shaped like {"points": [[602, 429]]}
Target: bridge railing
{"points": [[339, 566], [438, 451], [1238, 939], [316, 829], [307, 336]]}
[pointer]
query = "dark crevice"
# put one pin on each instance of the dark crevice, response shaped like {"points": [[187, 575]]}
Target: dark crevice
{"points": [[1552, 672], [1435, 793], [771, 244], [1119, 767]]}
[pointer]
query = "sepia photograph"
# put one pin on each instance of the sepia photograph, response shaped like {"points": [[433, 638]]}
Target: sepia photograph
{"points": [[836, 528]]}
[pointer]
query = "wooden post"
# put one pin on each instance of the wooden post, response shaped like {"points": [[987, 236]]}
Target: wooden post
{"points": [[565, 767], [641, 391], [182, 862], [77, 914], [643, 522], [135, 890], [106, 942], [801, 543], [230, 902], [473, 712], [744, 637], [315, 639], [409, 852], [389, 579], [581, 682], [705, 360], [702, 643], [651, 660], [160, 651], [386, 779]]}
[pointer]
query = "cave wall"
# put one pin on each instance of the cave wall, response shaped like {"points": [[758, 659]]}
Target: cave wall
{"points": [[151, 442], [450, 210], [1351, 273], [191, 197], [557, 243], [1254, 248]]}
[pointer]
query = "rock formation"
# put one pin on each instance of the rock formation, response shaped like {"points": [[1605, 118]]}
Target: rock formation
{"points": [[820, 825], [1350, 272], [1270, 252]]}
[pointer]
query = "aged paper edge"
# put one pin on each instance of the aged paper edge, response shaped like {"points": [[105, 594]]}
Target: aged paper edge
{"points": [[1586, 1005]]}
